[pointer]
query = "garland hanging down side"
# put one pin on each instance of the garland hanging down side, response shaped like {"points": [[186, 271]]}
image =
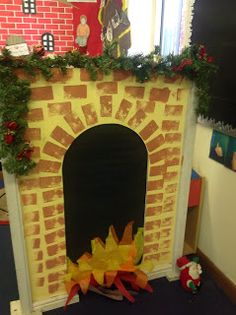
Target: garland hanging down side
{"points": [[16, 151]]}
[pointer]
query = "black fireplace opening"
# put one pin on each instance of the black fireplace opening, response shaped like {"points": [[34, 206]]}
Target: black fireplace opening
{"points": [[104, 179]]}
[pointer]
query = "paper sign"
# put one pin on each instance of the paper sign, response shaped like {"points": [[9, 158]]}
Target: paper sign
{"points": [[18, 50]]}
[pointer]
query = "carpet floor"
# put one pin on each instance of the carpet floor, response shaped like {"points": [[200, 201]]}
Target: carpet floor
{"points": [[167, 299], [8, 284]]}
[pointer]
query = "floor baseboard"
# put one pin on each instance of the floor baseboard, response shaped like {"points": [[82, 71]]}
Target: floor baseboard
{"points": [[15, 309], [218, 276], [54, 303]]}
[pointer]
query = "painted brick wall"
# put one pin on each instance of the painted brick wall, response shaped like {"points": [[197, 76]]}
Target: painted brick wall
{"points": [[154, 110], [52, 16]]}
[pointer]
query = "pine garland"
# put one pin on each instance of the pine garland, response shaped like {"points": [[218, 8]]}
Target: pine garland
{"points": [[193, 63]]}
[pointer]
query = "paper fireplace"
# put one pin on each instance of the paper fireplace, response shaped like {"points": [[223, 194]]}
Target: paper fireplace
{"points": [[158, 115]]}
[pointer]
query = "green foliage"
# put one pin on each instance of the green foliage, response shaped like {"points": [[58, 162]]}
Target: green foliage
{"points": [[200, 72], [193, 63], [14, 166]]}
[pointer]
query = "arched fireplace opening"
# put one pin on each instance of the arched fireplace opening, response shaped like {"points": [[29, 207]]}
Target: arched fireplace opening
{"points": [[104, 179]]}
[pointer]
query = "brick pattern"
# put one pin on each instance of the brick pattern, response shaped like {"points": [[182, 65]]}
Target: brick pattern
{"points": [[153, 113], [106, 106], [52, 16]]}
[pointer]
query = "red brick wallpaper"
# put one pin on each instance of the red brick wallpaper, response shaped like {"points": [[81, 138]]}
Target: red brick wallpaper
{"points": [[52, 16]]}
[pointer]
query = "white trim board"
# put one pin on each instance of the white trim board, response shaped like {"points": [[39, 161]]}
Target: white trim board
{"points": [[18, 242], [53, 303], [184, 181], [15, 309], [159, 272], [40, 307]]}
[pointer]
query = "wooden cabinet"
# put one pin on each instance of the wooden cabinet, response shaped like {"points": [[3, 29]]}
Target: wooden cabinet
{"points": [[194, 214]]}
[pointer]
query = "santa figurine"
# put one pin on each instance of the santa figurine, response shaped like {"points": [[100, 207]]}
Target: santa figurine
{"points": [[189, 273]]}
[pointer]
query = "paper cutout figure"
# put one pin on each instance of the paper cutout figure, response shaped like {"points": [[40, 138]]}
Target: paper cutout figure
{"points": [[83, 32], [90, 10], [115, 23]]}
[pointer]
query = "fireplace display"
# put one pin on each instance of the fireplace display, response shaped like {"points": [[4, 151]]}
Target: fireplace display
{"points": [[78, 129]]}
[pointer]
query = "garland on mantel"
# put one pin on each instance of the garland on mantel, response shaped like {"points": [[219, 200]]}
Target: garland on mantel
{"points": [[193, 63]]}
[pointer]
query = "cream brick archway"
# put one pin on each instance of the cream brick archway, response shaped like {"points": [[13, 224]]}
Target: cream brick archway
{"points": [[60, 110]]}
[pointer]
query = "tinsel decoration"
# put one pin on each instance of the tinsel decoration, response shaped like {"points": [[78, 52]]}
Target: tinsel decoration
{"points": [[217, 125]]}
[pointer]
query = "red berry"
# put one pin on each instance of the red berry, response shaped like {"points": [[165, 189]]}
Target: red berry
{"points": [[20, 155], [202, 52], [210, 59], [27, 153], [9, 138], [185, 62], [11, 125]]}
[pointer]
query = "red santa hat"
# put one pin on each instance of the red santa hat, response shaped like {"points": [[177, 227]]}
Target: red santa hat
{"points": [[183, 262]]}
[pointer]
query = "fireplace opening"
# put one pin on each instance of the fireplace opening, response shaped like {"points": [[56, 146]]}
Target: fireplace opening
{"points": [[104, 179]]}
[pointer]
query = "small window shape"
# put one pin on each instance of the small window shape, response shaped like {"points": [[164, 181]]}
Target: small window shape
{"points": [[29, 6], [48, 41]]}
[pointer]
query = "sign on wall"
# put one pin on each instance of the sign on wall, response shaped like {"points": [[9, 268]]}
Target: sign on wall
{"points": [[18, 50]]}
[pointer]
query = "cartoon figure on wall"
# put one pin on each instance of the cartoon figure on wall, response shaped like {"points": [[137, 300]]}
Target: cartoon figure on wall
{"points": [[223, 149], [115, 24], [87, 28], [82, 33], [219, 144]]}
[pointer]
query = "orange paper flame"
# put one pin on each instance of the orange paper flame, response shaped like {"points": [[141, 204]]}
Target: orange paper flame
{"points": [[109, 263]]}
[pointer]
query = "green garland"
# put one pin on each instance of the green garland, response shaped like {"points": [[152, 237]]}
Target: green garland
{"points": [[193, 63]]}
